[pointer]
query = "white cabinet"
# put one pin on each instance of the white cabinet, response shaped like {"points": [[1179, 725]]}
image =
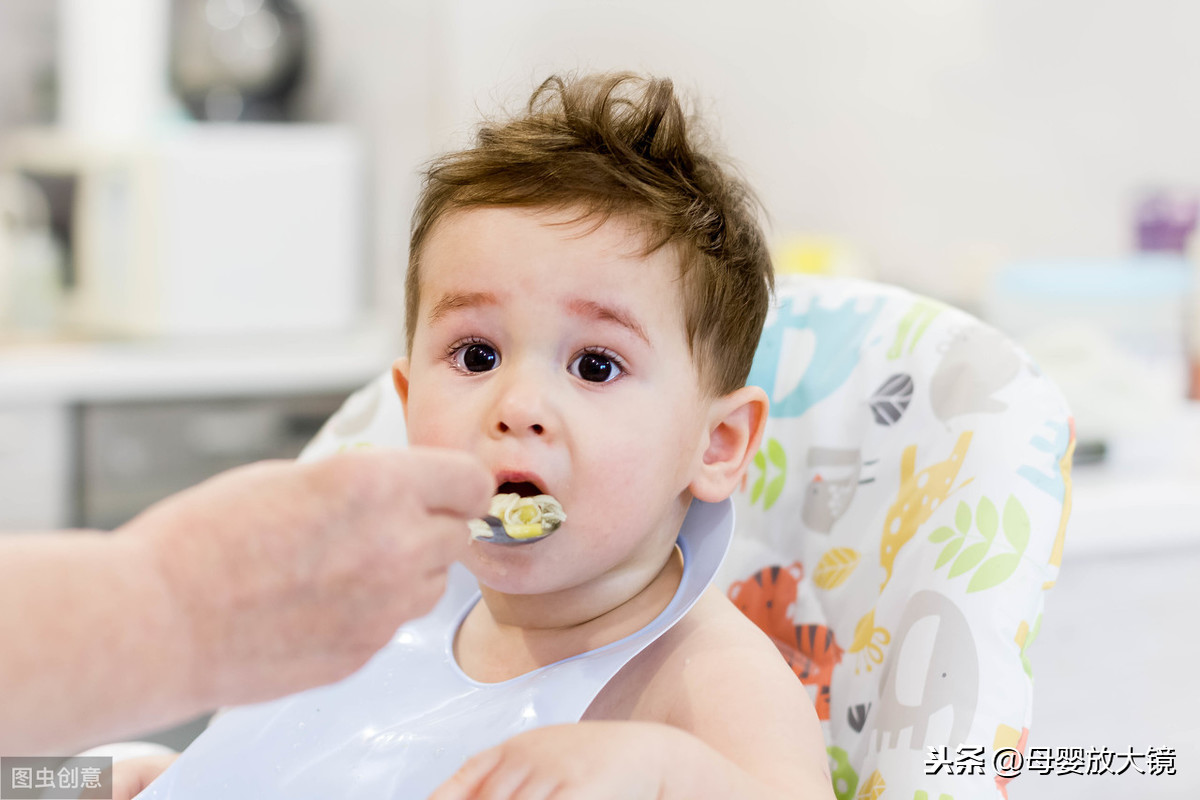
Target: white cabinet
{"points": [[93, 432], [133, 454]]}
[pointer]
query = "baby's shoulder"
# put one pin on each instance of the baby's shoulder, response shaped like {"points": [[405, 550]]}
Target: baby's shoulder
{"points": [[716, 676], [703, 658], [716, 636]]}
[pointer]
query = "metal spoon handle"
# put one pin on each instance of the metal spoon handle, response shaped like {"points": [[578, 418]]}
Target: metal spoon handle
{"points": [[500, 536]]}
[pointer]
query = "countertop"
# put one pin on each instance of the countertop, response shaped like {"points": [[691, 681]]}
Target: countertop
{"points": [[1145, 495], [64, 372], [1113, 662]]}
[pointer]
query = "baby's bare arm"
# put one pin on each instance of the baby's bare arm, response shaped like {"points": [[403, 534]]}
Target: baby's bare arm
{"points": [[718, 678], [131, 776], [709, 712]]}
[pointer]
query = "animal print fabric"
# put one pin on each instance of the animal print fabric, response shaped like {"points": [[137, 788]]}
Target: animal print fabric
{"points": [[899, 528]]}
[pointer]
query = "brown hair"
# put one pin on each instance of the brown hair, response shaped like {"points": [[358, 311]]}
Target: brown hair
{"points": [[619, 145]]}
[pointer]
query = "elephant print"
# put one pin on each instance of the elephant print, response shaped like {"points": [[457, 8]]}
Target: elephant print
{"points": [[934, 633]]}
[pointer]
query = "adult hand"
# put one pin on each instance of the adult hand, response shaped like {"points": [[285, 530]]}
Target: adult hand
{"points": [[285, 576]]}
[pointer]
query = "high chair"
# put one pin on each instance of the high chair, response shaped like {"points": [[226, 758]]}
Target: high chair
{"points": [[896, 532]]}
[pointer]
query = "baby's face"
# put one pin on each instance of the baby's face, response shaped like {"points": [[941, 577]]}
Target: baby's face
{"points": [[559, 357]]}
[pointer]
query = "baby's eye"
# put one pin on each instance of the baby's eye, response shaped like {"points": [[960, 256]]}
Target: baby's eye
{"points": [[476, 357], [596, 367]]}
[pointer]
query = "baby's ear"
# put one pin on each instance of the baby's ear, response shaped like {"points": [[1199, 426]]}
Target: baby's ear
{"points": [[735, 428], [400, 379]]}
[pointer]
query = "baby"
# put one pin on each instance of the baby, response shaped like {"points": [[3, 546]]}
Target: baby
{"points": [[585, 292]]}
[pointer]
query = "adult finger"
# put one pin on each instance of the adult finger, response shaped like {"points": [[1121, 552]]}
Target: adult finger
{"points": [[446, 481], [445, 539]]}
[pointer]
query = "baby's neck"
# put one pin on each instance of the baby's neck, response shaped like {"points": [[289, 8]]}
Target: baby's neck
{"points": [[508, 635]]}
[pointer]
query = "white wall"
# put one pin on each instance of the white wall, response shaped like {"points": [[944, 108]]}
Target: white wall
{"points": [[940, 136]]}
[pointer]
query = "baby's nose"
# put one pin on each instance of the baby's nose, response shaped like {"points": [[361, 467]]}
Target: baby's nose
{"points": [[522, 408], [535, 428]]}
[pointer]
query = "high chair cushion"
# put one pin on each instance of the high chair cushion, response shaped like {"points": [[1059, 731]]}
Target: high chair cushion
{"points": [[896, 532], [898, 529]]}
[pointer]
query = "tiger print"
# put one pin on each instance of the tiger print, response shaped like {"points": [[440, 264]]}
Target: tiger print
{"points": [[811, 651]]}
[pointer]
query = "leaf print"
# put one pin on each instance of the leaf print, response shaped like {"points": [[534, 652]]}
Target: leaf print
{"points": [[769, 490], [857, 716], [919, 316], [962, 517], [1016, 524], [873, 789], [948, 552], [890, 401], [995, 571], [941, 534], [760, 463], [969, 558], [998, 568], [776, 454], [986, 518], [774, 489], [835, 567]]}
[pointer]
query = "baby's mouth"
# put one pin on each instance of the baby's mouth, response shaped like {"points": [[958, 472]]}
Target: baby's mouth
{"points": [[523, 488]]}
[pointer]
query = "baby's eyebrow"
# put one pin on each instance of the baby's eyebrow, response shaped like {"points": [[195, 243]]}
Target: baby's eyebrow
{"points": [[452, 302], [606, 313]]}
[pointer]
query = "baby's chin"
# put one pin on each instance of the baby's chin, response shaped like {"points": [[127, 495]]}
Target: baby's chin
{"points": [[530, 569], [519, 580], [560, 563], [491, 562]]}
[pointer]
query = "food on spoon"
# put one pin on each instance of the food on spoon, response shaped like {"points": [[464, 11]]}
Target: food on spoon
{"points": [[524, 518]]}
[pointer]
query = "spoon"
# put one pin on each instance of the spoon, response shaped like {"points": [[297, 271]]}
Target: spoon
{"points": [[491, 529]]}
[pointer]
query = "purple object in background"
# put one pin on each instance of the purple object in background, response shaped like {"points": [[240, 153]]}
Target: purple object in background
{"points": [[1165, 221]]}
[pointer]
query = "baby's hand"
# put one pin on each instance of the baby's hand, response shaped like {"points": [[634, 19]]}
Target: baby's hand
{"points": [[585, 761], [131, 776]]}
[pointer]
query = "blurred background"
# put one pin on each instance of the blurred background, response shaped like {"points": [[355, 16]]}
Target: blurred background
{"points": [[204, 211]]}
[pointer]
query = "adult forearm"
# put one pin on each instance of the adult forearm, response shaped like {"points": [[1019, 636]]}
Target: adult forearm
{"points": [[268, 579], [89, 648]]}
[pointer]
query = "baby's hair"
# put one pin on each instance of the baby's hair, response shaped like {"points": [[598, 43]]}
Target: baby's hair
{"points": [[620, 145]]}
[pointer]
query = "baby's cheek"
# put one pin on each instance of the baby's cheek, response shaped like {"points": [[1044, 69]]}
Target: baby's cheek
{"points": [[429, 425], [433, 436], [625, 465]]}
